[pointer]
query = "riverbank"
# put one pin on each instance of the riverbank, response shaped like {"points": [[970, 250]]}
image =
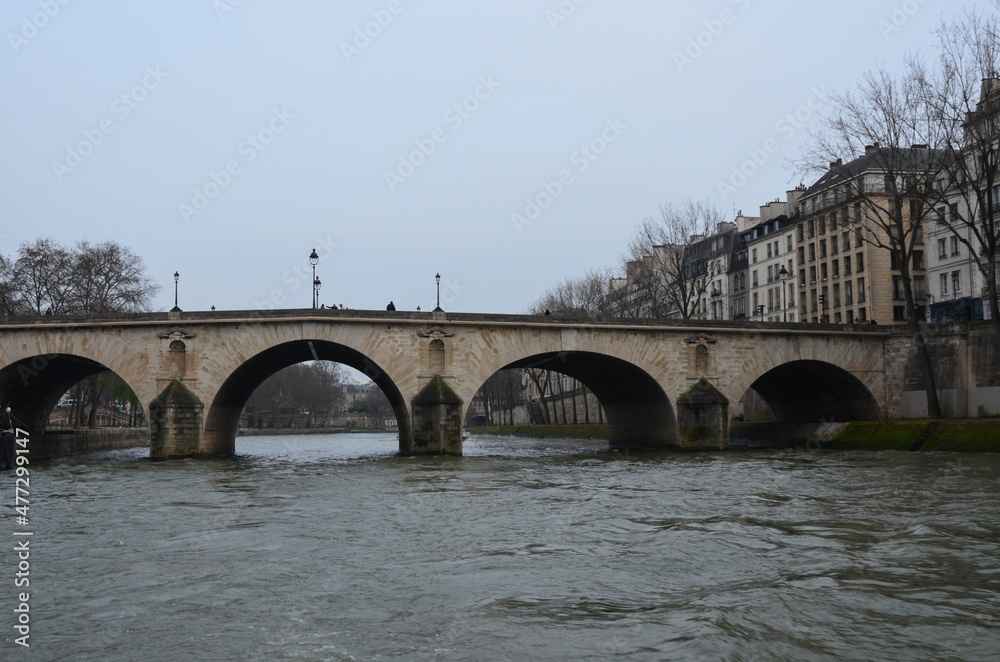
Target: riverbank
{"points": [[980, 435]]}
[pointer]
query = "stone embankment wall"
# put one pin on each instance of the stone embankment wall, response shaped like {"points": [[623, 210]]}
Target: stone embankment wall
{"points": [[72, 442]]}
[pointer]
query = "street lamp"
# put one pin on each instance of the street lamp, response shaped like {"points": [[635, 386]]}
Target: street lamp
{"points": [[316, 286], [437, 279], [783, 275], [314, 260], [175, 309]]}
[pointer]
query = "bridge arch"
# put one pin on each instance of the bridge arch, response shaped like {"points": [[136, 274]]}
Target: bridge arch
{"points": [[222, 417], [32, 386], [813, 391], [638, 412]]}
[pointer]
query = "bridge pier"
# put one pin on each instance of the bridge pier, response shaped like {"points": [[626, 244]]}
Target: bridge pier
{"points": [[437, 421], [703, 418], [175, 422]]}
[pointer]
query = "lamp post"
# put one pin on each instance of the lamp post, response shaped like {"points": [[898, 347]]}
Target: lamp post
{"points": [[316, 286], [783, 275], [175, 309], [437, 279], [314, 260]]}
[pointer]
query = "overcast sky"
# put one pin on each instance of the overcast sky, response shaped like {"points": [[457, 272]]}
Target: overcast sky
{"points": [[506, 144]]}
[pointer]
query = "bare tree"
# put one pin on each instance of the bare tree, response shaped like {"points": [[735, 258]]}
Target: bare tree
{"points": [[960, 94], [890, 184], [663, 276], [109, 278], [42, 275], [582, 297], [47, 278]]}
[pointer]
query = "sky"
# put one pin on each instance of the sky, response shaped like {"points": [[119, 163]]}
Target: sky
{"points": [[505, 144]]}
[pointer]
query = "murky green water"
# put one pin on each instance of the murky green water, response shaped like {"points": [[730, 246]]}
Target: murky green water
{"points": [[332, 548]]}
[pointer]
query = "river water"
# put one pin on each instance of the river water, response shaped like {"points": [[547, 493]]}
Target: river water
{"points": [[332, 548]]}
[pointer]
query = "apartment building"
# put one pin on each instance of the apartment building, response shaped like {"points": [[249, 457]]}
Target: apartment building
{"points": [[843, 275]]}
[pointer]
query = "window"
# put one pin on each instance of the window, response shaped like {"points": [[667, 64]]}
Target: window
{"points": [[861, 292], [802, 277], [812, 274], [770, 273], [944, 284], [836, 296], [822, 271], [755, 278], [942, 248], [812, 229], [788, 243], [859, 262], [847, 265], [918, 260], [956, 281], [822, 224], [899, 313], [955, 250], [802, 253], [836, 268], [848, 293], [812, 252], [799, 233], [753, 257], [834, 245], [939, 216], [897, 288], [769, 250], [822, 248], [858, 238], [919, 288], [857, 212]]}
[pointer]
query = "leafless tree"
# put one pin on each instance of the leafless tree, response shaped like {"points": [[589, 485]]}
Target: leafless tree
{"points": [[582, 297], [663, 276], [882, 121], [109, 278], [500, 395], [302, 390], [42, 275], [48, 278], [960, 94]]}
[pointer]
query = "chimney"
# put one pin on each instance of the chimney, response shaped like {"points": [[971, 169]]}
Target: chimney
{"points": [[871, 148], [840, 162], [695, 238]]}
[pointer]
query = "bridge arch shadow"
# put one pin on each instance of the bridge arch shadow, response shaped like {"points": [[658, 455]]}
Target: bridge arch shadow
{"points": [[32, 386], [637, 410], [810, 391], [222, 419]]}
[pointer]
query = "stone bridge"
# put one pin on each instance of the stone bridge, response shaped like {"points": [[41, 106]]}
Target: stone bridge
{"points": [[663, 384]]}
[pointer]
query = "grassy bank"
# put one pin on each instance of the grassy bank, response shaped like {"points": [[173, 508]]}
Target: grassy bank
{"points": [[960, 435]]}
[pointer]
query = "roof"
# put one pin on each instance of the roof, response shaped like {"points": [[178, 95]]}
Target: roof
{"points": [[919, 159]]}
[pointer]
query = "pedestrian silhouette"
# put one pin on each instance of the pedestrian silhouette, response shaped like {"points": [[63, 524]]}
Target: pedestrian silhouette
{"points": [[547, 312], [391, 306]]}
